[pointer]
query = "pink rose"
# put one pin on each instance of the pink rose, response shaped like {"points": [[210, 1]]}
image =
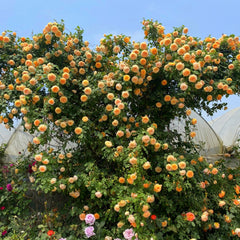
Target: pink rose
{"points": [[128, 234]]}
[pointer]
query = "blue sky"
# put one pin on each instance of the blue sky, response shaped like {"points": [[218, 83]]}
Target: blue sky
{"points": [[97, 17]]}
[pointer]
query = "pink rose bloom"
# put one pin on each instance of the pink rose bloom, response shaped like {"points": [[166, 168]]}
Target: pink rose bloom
{"points": [[128, 234], [90, 219], [89, 232], [9, 187], [4, 232]]}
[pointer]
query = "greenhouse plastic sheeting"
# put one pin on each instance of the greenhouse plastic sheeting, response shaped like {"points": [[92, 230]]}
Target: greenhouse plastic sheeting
{"points": [[228, 127], [205, 136], [17, 144], [19, 141], [5, 134], [210, 142]]}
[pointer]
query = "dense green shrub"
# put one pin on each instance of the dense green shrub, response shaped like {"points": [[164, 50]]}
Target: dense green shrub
{"points": [[104, 163]]}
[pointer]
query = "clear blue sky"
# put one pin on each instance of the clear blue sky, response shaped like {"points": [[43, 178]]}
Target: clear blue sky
{"points": [[96, 17]]}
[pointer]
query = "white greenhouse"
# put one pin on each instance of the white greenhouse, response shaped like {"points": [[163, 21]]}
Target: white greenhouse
{"points": [[228, 128], [211, 144], [5, 134], [16, 141]]}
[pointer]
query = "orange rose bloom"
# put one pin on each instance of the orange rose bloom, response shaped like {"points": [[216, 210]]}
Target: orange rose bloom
{"points": [[167, 98], [146, 214], [144, 53], [133, 56], [108, 144], [98, 65], [192, 134], [51, 101], [230, 66], [158, 105], [126, 78], [170, 158], [192, 78], [55, 89], [82, 216], [150, 130], [190, 174], [146, 165], [183, 86], [236, 202], [36, 140], [45, 161], [188, 112], [121, 180], [221, 194], [154, 51], [42, 168], [145, 119], [186, 72], [110, 96], [182, 165], [42, 128], [165, 146], [214, 171], [181, 105], [38, 157], [181, 51], [78, 130], [157, 187], [145, 208], [88, 90], [84, 98], [146, 185], [126, 39], [169, 167], [164, 82], [116, 111], [178, 188], [63, 99], [145, 139], [25, 77], [62, 81], [125, 94], [150, 199], [130, 180], [36, 122], [179, 66], [173, 47], [174, 166], [194, 121], [164, 223], [190, 216], [58, 110], [133, 160], [51, 77], [143, 61]]}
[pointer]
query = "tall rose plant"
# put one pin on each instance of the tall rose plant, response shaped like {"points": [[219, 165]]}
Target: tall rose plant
{"points": [[100, 119]]}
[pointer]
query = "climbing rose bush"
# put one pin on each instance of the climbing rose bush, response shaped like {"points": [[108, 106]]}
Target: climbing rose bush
{"points": [[102, 137]]}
